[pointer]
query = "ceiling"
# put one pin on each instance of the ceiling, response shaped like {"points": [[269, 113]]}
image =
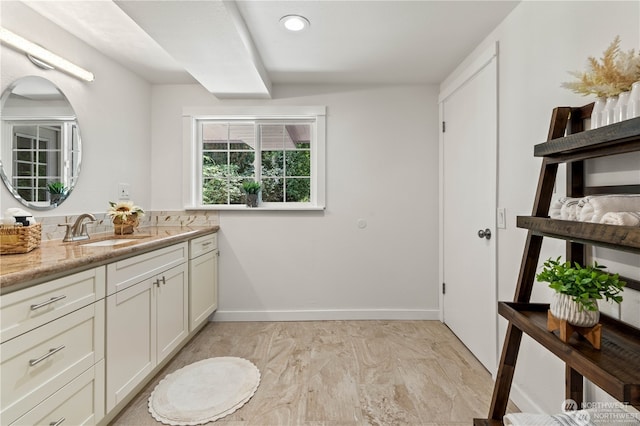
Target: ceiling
{"points": [[239, 49]]}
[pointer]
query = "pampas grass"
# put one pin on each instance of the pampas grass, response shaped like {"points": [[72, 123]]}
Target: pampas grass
{"points": [[613, 74]]}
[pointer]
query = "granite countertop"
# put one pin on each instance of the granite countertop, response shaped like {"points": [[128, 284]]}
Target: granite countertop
{"points": [[54, 258]]}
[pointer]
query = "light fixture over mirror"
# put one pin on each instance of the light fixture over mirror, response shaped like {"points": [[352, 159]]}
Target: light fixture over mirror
{"points": [[43, 57], [40, 149]]}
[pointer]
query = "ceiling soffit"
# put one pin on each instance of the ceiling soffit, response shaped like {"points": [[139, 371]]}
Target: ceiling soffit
{"points": [[209, 39]]}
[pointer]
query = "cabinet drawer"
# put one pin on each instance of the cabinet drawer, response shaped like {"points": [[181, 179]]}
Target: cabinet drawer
{"points": [[202, 245], [127, 272], [26, 309], [40, 362], [80, 402]]}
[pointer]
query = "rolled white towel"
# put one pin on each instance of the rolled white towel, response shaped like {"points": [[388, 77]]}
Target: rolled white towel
{"points": [[575, 418], [592, 208], [621, 218], [16, 212], [568, 210], [589, 417], [9, 220], [555, 210]]}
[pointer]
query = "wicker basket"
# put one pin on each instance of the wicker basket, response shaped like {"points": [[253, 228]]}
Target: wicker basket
{"points": [[19, 239]]}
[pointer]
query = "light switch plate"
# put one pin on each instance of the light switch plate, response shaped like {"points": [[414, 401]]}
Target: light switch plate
{"points": [[502, 218]]}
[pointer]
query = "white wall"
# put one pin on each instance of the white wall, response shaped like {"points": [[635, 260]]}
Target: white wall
{"points": [[538, 43], [382, 155], [113, 112]]}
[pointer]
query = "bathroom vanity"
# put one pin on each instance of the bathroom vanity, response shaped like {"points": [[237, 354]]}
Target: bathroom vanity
{"points": [[84, 326]]}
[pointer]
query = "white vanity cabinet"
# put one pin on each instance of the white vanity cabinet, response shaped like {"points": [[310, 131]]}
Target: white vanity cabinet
{"points": [[147, 316], [203, 279], [52, 351], [75, 350]]}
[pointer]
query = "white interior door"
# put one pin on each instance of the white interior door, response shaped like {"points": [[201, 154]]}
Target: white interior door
{"points": [[469, 206]]}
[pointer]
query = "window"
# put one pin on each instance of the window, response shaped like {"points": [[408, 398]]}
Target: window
{"points": [[285, 153], [37, 157]]}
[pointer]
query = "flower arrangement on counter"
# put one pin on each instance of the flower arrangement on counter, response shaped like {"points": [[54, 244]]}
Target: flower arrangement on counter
{"points": [[610, 75], [125, 216]]}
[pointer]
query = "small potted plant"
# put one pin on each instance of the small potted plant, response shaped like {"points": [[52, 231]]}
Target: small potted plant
{"points": [[56, 191], [252, 189], [578, 290]]}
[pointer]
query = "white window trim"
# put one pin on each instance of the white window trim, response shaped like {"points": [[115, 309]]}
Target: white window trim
{"points": [[192, 168]]}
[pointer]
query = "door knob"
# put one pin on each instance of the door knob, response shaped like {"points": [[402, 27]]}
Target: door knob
{"points": [[485, 233]]}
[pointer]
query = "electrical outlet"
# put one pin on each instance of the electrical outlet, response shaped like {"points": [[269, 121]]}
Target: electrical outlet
{"points": [[502, 218], [124, 191]]}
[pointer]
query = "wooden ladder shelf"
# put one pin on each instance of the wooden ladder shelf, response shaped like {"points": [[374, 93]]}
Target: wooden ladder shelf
{"points": [[616, 366]]}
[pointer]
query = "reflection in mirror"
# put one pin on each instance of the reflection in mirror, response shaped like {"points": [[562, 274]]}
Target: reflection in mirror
{"points": [[40, 147]]}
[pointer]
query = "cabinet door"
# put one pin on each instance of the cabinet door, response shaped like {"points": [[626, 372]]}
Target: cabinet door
{"points": [[131, 343], [171, 291], [203, 288]]}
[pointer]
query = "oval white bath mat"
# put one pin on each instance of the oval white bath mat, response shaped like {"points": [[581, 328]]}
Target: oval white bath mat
{"points": [[204, 391]]}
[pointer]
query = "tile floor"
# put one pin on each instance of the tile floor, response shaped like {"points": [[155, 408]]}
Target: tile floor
{"points": [[342, 373]]}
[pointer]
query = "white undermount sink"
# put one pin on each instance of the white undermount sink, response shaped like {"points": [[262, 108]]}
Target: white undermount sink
{"points": [[109, 243]]}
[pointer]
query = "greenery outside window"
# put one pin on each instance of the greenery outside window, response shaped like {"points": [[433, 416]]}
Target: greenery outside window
{"points": [[285, 153]]}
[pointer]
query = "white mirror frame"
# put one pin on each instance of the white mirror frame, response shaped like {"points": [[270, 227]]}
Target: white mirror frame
{"points": [[33, 91]]}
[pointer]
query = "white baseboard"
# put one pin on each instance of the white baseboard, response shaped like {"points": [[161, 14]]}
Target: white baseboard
{"points": [[337, 314]]}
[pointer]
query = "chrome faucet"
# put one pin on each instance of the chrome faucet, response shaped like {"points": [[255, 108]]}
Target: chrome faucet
{"points": [[77, 231]]}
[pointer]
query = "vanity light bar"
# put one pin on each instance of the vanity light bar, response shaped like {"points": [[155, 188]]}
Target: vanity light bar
{"points": [[43, 55]]}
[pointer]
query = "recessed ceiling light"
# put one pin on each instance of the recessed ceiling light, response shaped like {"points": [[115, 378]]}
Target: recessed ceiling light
{"points": [[294, 22]]}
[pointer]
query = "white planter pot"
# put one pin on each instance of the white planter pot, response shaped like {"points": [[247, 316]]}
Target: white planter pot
{"points": [[563, 307], [607, 112], [596, 115]]}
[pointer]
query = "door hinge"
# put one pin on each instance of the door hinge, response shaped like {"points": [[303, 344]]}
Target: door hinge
{"points": [[444, 127], [444, 288]]}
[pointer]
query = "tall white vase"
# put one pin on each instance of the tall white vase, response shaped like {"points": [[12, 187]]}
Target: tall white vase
{"points": [[620, 110], [607, 112], [596, 114], [633, 106]]}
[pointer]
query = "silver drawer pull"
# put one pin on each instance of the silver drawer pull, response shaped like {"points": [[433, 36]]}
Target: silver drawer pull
{"points": [[48, 302], [52, 351], [207, 244], [58, 423]]}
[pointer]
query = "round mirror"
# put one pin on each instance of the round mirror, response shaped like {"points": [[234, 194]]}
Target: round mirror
{"points": [[40, 147]]}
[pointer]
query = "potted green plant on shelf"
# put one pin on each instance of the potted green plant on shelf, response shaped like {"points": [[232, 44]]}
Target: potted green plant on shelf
{"points": [[578, 290], [56, 191], [251, 189]]}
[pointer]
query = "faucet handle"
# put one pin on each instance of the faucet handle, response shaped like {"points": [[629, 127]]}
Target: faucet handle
{"points": [[67, 234]]}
